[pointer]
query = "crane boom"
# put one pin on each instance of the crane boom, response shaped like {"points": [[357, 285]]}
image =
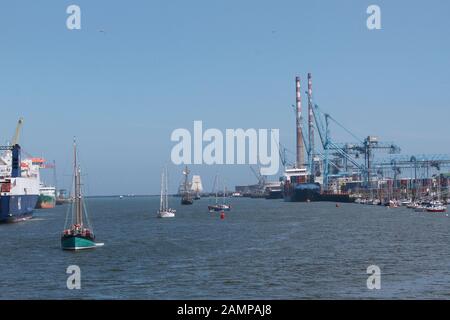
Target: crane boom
{"points": [[258, 175], [15, 139]]}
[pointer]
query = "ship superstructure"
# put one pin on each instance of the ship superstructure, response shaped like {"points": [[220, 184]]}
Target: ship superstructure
{"points": [[19, 185]]}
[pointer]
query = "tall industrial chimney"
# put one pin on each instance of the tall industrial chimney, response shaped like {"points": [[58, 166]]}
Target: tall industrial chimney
{"points": [[300, 147], [310, 126]]}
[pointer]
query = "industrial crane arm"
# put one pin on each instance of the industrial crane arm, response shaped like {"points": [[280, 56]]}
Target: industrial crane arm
{"points": [[16, 136]]}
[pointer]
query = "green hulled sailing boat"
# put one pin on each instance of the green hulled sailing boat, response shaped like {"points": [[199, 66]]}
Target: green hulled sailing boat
{"points": [[78, 234]]}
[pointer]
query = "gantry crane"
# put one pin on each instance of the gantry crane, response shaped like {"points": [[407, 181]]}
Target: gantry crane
{"points": [[348, 152]]}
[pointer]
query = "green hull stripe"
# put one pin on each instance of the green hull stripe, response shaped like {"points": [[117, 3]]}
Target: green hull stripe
{"points": [[46, 198], [77, 243]]}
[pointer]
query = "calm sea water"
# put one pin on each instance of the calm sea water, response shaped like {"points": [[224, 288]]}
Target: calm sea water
{"points": [[264, 249]]}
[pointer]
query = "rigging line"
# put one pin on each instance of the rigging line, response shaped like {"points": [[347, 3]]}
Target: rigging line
{"points": [[85, 206], [85, 209], [70, 207], [345, 129], [339, 124], [68, 211]]}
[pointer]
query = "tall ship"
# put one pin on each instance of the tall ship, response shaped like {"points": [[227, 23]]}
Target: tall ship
{"points": [[78, 235], [47, 197], [186, 193], [19, 185], [196, 187], [298, 184]]}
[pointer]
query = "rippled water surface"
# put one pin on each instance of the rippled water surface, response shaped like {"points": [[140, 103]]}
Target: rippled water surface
{"points": [[263, 249]]}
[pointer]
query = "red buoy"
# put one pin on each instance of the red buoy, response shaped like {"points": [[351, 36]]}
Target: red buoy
{"points": [[222, 215]]}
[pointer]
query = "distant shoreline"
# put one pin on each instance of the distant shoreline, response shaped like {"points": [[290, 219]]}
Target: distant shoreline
{"points": [[118, 196]]}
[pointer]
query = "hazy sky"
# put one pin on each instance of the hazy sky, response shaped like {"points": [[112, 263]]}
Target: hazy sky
{"points": [[160, 65]]}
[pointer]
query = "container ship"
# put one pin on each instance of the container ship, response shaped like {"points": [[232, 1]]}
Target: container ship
{"points": [[19, 185], [47, 198]]}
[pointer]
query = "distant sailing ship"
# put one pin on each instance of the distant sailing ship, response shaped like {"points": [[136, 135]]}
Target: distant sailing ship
{"points": [[186, 197], [79, 235], [197, 187], [164, 210]]}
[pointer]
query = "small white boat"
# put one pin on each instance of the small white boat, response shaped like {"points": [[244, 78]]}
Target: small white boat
{"points": [[164, 210], [219, 206], [170, 213], [393, 204], [406, 202], [436, 208], [421, 208], [412, 205]]}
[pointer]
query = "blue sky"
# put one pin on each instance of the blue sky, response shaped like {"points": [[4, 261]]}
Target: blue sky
{"points": [[160, 65]]}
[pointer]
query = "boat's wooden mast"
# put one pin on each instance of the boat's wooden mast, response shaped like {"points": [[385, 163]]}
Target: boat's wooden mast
{"points": [[224, 193], [186, 189], [217, 189], [186, 180], [78, 203], [166, 189], [161, 202]]}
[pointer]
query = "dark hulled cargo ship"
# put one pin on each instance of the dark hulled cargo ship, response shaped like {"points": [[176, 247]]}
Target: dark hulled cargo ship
{"points": [[297, 188]]}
